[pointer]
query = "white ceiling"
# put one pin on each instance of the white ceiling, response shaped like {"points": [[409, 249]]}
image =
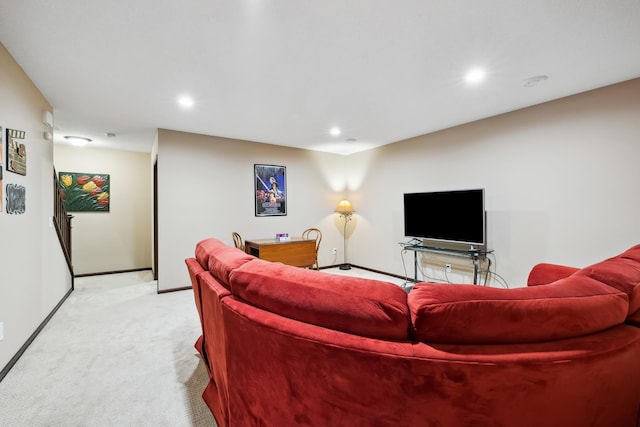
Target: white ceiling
{"points": [[286, 71]]}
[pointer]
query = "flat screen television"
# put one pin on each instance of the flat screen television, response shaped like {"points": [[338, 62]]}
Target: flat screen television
{"points": [[446, 218]]}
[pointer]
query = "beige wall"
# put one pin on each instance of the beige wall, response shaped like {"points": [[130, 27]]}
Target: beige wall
{"points": [[120, 239], [560, 178], [206, 187], [560, 181], [33, 274]]}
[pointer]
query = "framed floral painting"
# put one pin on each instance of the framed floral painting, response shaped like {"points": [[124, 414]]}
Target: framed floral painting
{"points": [[85, 192]]}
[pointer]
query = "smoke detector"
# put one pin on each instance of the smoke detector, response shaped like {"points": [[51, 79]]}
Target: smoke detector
{"points": [[534, 81]]}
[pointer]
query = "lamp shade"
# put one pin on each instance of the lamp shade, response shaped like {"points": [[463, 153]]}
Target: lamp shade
{"points": [[345, 208]]}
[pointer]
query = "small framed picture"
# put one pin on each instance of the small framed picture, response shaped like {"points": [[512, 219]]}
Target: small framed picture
{"points": [[270, 190], [16, 152]]}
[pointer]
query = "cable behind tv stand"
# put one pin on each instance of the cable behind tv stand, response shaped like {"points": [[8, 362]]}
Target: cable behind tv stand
{"points": [[474, 254]]}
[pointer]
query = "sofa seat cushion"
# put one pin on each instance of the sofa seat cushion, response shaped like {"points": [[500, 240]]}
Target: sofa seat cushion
{"points": [[363, 307], [471, 314], [622, 273]]}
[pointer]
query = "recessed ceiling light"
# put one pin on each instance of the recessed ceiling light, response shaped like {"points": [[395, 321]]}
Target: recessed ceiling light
{"points": [[534, 81], [185, 101], [110, 135], [335, 131], [350, 140], [475, 75], [78, 141]]}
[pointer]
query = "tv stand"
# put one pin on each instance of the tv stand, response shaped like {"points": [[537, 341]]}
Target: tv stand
{"points": [[474, 254]]}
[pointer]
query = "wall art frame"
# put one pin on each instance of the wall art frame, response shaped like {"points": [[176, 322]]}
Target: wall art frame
{"points": [[16, 152], [16, 199], [270, 190], [85, 192]]}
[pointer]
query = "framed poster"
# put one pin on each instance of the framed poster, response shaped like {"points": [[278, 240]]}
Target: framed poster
{"points": [[85, 192], [16, 152], [270, 190]]}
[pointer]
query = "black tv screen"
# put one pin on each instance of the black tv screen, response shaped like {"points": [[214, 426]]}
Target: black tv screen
{"points": [[446, 216]]}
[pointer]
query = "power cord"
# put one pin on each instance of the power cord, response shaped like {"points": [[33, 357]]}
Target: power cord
{"points": [[424, 276], [488, 274]]}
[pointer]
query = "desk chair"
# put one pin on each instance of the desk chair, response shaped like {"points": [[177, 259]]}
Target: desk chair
{"points": [[313, 234], [237, 240]]}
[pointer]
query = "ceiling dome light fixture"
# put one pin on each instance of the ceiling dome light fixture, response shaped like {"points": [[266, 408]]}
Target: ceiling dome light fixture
{"points": [[475, 75], [78, 141], [185, 101], [534, 81], [335, 131]]}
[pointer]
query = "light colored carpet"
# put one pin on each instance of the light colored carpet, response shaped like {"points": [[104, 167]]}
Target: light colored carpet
{"points": [[116, 354]]}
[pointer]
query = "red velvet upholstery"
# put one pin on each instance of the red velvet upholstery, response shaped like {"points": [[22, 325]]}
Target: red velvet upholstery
{"points": [[210, 396], [204, 248], [544, 273], [220, 259], [620, 273], [294, 347], [634, 319], [214, 343], [288, 373], [195, 269], [359, 306], [221, 265], [471, 314], [631, 253]]}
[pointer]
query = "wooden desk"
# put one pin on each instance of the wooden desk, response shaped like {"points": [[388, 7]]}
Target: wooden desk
{"points": [[298, 252]]}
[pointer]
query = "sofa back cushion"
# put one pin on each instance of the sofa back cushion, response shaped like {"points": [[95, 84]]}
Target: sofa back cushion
{"points": [[363, 307], [204, 249], [223, 262], [220, 259], [545, 273], [631, 253], [621, 272], [471, 314]]}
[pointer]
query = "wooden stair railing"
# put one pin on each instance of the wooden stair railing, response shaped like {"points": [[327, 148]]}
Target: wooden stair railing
{"points": [[62, 222]]}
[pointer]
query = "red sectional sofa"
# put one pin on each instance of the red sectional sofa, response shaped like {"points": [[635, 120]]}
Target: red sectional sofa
{"points": [[286, 346]]}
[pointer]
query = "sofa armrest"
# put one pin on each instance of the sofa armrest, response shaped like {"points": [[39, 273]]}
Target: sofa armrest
{"points": [[544, 273]]}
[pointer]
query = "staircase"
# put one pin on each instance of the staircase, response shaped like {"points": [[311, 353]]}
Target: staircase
{"points": [[62, 223]]}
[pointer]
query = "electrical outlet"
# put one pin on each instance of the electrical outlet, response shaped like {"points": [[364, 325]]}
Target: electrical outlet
{"points": [[1, 331], [447, 268], [335, 251]]}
